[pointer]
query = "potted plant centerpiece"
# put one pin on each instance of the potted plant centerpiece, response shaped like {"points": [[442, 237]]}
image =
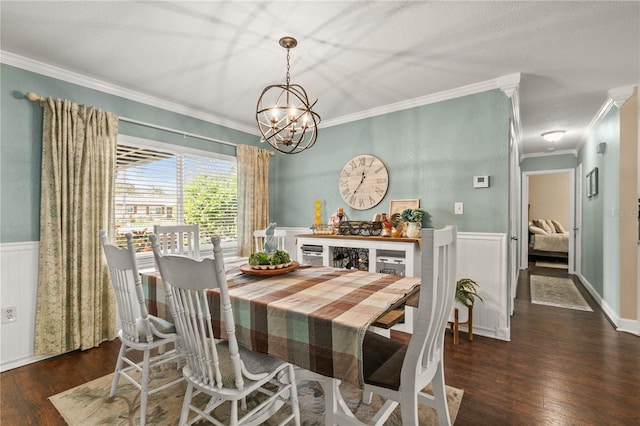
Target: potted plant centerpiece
{"points": [[413, 217], [261, 260]]}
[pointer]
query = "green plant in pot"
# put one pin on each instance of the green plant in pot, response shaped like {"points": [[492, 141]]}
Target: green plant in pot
{"points": [[467, 291], [466, 294], [413, 217]]}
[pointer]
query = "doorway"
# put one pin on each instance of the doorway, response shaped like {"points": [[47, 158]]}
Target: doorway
{"points": [[569, 197]]}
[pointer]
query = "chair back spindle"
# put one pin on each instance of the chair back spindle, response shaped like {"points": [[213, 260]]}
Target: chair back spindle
{"points": [[179, 239], [187, 282], [126, 283]]}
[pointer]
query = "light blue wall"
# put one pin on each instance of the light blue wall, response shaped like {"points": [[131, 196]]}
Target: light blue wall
{"points": [[549, 162], [600, 245], [432, 153], [21, 140]]}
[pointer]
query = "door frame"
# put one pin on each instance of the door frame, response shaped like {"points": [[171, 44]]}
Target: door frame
{"points": [[577, 226], [524, 243]]}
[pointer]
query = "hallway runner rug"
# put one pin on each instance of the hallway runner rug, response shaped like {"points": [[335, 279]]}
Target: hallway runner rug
{"points": [[559, 292], [555, 265], [90, 404]]}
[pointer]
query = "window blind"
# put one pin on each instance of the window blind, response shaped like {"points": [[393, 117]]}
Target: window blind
{"points": [[165, 187]]}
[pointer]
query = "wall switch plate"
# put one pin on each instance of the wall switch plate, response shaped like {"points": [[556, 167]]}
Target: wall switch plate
{"points": [[458, 208], [9, 314]]}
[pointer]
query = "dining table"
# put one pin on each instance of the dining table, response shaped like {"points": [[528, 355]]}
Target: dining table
{"points": [[312, 317]]}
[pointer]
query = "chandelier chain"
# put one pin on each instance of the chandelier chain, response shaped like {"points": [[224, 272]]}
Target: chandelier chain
{"points": [[288, 67]]}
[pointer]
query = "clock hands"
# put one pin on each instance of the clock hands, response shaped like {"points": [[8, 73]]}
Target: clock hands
{"points": [[361, 180]]}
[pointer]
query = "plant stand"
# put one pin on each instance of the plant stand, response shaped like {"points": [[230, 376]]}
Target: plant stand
{"points": [[456, 323]]}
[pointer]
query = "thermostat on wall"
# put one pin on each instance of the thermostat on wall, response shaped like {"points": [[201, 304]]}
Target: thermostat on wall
{"points": [[481, 181]]}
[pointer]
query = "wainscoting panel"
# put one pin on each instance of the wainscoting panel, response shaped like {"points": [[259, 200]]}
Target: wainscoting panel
{"points": [[19, 284], [483, 258]]}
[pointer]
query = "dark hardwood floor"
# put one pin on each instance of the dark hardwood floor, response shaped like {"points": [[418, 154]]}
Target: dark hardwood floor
{"points": [[561, 366]]}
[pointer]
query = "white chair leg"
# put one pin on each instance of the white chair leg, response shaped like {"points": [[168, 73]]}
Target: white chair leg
{"points": [[367, 396], [440, 396], [409, 409], [116, 376], [233, 416], [184, 413], [144, 384]]}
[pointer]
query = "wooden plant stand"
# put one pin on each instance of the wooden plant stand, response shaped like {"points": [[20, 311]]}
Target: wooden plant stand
{"points": [[456, 323]]}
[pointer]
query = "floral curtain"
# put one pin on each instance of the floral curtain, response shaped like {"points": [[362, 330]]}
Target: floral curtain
{"points": [[253, 194], [76, 305]]}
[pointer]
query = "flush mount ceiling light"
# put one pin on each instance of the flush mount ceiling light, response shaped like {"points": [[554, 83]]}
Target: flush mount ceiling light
{"points": [[553, 136], [285, 115]]}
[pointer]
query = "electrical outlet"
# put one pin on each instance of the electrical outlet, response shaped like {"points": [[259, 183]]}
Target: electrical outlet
{"points": [[9, 314]]}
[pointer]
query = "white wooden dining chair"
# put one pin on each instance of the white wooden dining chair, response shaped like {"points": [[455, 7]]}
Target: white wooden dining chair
{"points": [[179, 239], [221, 369], [400, 372], [260, 236], [137, 331]]}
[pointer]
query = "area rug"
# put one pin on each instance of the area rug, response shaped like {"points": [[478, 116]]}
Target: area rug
{"points": [[89, 404], [560, 292], [555, 265]]}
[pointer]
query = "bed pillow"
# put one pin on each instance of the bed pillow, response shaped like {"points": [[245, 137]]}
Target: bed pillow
{"points": [[552, 227], [541, 223], [536, 230], [558, 226]]}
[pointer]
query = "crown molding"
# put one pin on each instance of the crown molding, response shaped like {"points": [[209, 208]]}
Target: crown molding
{"points": [[433, 98], [550, 153], [509, 84], [91, 83], [620, 95], [616, 97]]}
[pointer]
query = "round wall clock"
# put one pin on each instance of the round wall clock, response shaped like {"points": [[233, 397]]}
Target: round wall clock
{"points": [[363, 182]]}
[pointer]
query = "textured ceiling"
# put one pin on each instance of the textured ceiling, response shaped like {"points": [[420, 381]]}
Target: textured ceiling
{"points": [[356, 57]]}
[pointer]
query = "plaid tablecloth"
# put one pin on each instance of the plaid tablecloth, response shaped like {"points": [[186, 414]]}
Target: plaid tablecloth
{"points": [[314, 318]]}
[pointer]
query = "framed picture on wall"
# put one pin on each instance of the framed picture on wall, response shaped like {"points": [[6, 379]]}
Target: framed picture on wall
{"points": [[592, 183], [397, 206]]}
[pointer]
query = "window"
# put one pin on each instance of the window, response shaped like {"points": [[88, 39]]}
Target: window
{"points": [[168, 185]]}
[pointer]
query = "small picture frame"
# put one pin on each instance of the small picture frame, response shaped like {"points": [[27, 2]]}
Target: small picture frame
{"points": [[397, 206], [592, 183]]}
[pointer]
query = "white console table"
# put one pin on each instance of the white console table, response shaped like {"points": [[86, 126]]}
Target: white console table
{"points": [[407, 249]]}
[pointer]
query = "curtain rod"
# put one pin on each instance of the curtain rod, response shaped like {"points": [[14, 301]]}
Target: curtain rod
{"points": [[34, 97]]}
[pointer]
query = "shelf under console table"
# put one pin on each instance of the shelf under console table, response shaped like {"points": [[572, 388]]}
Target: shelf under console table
{"points": [[381, 254]]}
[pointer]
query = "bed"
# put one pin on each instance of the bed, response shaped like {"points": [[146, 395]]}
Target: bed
{"points": [[547, 238]]}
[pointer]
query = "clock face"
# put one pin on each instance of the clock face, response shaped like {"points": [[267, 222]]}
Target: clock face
{"points": [[363, 182]]}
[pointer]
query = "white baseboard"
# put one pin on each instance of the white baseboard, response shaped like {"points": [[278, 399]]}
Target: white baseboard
{"points": [[6, 366], [608, 311], [629, 326]]}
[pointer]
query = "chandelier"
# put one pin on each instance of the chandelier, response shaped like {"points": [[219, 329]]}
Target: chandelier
{"points": [[284, 113]]}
